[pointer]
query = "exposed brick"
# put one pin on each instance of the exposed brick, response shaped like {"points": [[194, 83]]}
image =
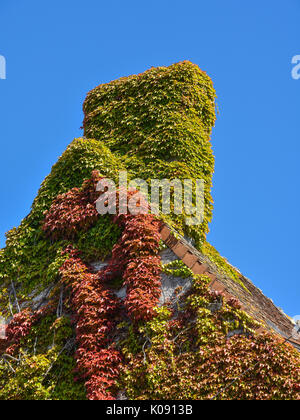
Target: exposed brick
{"points": [[211, 276], [165, 233], [171, 241], [199, 268], [189, 259], [217, 286], [180, 250]]}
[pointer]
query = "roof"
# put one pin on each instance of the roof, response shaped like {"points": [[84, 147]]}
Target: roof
{"points": [[253, 301]]}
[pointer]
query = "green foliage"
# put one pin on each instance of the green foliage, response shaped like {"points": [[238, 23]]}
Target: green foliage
{"points": [[156, 329], [29, 258], [160, 123], [177, 268], [74, 166], [98, 242], [191, 357], [44, 367], [23, 381], [155, 125]]}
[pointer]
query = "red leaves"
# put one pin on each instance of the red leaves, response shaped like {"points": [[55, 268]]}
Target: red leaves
{"points": [[102, 369], [234, 303], [73, 211], [18, 328], [275, 377], [142, 278], [136, 256], [96, 308]]}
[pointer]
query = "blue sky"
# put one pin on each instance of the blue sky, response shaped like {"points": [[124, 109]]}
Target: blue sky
{"points": [[57, 51]]}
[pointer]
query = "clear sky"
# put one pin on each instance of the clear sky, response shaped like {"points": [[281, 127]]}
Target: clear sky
{"points": [[57, 51]]}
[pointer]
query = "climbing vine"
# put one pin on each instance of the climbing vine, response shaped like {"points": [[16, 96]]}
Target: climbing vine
{"points": [[95, 308], [194, 355], [135, 257], [30, 251], [92, 305], [160, 123], [82, 341], [136, 254], [108, 345], [37, 361]]}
